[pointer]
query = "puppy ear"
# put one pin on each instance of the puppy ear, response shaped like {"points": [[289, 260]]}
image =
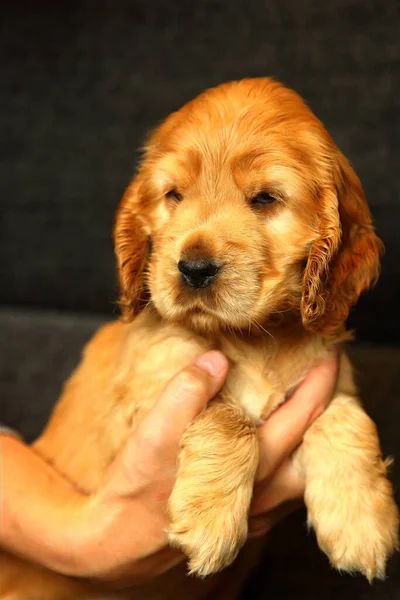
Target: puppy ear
{"points": [[132, 246], [344, 260]]}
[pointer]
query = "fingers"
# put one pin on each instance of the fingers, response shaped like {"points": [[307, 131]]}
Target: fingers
{"points": [[285, 429], [260, 525], [185, 396], [284, 485]]}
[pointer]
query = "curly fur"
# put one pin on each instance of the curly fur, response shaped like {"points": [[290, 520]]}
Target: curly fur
{"points": [[290, 269]]}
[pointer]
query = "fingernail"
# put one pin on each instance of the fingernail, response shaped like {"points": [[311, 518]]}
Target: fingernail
{"points": [[213, 362]]}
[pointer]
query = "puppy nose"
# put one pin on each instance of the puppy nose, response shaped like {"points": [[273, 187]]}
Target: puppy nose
{"points": [[198, 273]]}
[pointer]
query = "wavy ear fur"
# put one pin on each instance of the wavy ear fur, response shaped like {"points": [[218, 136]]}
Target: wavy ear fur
{"points": [[132, 245], [344, 260]]}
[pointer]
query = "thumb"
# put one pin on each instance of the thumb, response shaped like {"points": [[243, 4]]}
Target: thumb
{"points": [[155, 443], [184, 397]]}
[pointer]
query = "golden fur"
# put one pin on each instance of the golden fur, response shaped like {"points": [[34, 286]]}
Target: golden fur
{"points": [[290, 268]]}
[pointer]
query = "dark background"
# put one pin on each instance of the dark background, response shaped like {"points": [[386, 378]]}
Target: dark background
{"points": [[81, 83]]}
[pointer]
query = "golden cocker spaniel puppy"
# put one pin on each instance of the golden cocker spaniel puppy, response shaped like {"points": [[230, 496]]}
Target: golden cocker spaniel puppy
{"points": [[245, 229]]}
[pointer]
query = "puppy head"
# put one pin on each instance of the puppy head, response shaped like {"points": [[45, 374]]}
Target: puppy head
{"points": [[243, 208]]}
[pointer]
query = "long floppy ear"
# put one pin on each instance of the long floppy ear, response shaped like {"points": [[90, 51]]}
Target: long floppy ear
{"points": [[132, 245], [344, 260]]}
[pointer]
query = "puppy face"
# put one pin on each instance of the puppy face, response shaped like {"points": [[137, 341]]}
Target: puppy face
{"points": [[250, 211]]}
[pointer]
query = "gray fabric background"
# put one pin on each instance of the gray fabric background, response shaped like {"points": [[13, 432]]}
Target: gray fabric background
{"points": [[83, 81]]}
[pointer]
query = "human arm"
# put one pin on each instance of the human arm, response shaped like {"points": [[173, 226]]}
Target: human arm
{"points": [[118, 533]]}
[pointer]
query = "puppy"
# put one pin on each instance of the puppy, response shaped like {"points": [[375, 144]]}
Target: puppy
{"points": [[245, 229]]}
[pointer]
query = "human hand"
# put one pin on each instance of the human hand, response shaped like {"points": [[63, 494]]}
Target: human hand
{"points": [[123, 540], [279, 486], [132, 545], [117, 534]]}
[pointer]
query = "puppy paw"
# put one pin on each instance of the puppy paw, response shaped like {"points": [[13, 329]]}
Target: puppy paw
{"points": [[209, 504], [209, 527], [358, 529]]}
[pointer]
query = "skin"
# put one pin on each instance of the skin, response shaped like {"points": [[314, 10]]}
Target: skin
{"points": [[117, 534]]}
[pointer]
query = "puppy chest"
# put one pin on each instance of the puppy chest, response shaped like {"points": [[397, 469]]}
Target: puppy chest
{"points": [[260, 383], [252, 389]]}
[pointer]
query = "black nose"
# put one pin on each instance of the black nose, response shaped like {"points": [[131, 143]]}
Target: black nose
{"points": [[198, 273]]}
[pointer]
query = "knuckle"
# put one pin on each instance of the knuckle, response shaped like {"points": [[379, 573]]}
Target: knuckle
{"points": [[152, 435], [258, 526], [192, 384], [314, 412], [150, 441]]}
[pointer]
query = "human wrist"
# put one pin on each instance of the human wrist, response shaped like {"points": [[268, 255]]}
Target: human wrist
{"points": [[119, 534], [60, 523], [40, 509], [94, 525], [64, 534]]}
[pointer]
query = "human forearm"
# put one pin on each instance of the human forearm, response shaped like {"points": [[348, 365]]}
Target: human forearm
{"points": [[39, 508], [119, 529]]}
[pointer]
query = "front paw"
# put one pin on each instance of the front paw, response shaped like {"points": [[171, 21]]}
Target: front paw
{"points": [[208, 525], [358, 528]]}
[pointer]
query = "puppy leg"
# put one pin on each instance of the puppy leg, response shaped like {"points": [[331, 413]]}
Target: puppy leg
{"points": [[349, 499], [209, 504]]}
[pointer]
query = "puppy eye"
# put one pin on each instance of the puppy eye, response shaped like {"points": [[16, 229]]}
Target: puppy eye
{"points": [[174, 195], [262, 199]]}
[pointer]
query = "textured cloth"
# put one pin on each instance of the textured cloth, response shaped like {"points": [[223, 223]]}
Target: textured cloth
{"points": [[8, 431], [37, 353], [81, 83]]}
